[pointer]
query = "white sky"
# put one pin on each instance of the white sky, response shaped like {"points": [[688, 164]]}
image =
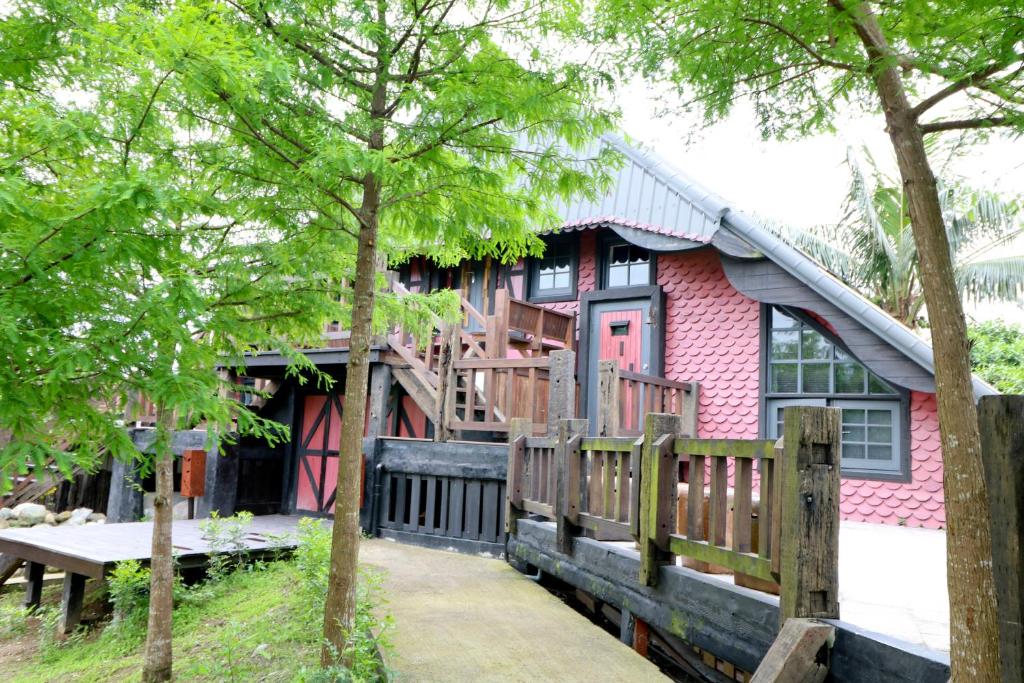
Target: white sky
{"points": [[800, 182]]}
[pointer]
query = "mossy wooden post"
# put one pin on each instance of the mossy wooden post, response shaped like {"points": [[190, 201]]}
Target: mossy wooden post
{"points": [[567, 481], [518, 429], [444, 407], [1001, 423], [658, 478], [561, 388], [810, 514], [608, 404]]}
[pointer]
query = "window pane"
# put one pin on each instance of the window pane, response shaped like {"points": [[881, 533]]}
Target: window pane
{"points": [[619, 254], [618, 276], [815, 346], [562, 280], [546, 280], [784, 345], [781, 320], [816, 376], [853, 433], [854, 416], [849, 378], [880, 434], [562, 262], [880, 417], [639, 255], [784, 378], [854, 450], [880, 453], [638, 274], [877, 386]]}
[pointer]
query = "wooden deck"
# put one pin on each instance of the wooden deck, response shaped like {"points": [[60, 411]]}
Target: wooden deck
{"points": [[92, 551]]}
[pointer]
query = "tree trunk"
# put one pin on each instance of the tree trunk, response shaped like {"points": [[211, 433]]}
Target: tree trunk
{"points": [[339, 610], [974, 629], [158, 655]]}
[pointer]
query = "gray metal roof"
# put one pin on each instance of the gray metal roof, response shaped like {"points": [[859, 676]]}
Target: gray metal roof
{"points": [[648, 193]]}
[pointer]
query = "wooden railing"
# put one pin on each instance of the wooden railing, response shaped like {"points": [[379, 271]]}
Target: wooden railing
{"points": [[625, 397], [530, 329], [489, 392], [622, 488]]}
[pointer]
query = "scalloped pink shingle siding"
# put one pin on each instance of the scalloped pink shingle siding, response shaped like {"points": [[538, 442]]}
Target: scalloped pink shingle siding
{"points": [[712, 336], [918, 503]]}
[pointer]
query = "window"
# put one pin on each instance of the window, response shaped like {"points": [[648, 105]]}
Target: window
{"points": [[627, 266], [805, 368], [554, 274]]}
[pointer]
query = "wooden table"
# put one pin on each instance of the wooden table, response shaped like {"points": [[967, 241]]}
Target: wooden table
{"points": [[92, 551]]}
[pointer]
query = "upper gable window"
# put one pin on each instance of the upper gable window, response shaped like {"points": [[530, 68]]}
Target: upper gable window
{"points": [[805, 368], [553, 276], [627, 265]]}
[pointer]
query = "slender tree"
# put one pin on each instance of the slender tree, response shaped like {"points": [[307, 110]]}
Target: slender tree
{"points": [[435, 126], [876, 252], [927, 68]]}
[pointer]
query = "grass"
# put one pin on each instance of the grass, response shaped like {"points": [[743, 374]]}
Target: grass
{"points": [[257, 623]]}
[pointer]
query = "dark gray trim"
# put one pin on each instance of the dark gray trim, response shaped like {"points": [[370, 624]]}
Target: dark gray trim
{"points": [[530, 278], [274, 359], [905, 474], [657, 313], [465, 460], [653, 241], [737, 624]]}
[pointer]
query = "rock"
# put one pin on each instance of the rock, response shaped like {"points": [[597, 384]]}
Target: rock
{"points": [[262, 650], [78, 517], [4, 523], [44, 524], [50, 519], [95, 517], [31, 513], [63, 516], [6, 513]]}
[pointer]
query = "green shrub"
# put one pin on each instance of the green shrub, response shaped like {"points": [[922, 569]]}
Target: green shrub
{"points": [[128, 589], [226, 538], [997, 354]]}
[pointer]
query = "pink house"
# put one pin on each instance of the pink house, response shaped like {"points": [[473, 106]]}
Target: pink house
{"points": [[667, 278]]}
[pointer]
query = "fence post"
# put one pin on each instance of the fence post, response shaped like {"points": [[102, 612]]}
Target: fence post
{"points": [[658, 476], [518, 429], [444, 406], [567, 481], [810, 514], [1001, 423], [690, 410], [561, 388], [608, 404]]}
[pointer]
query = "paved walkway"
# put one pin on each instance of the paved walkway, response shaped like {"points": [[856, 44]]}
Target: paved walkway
{"points": [[464, 618]]}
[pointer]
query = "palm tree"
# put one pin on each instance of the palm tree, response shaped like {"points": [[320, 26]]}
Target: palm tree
{"points": [[872, 248]]}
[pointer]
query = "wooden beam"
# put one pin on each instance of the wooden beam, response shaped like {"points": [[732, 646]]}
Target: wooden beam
{"points": [[445, 403], [9, 564], [798, 655], [567, 481], [71, 603], [657, 486], [608, 405], [1001, 422], [33, 584], [519, 429], [810, 514], [562, 388]]}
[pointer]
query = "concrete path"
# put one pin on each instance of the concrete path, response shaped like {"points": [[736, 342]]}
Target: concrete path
{"points": [[464, 618]]}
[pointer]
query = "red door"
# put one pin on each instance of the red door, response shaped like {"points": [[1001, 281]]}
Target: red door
{"points": [[317, 453], [619, 331]]}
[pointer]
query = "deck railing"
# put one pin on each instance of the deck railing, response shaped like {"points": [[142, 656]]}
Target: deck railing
{"points": [[489, 392], [624, 488], [625, 397]]}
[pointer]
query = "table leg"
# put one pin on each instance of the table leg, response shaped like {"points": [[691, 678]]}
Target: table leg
{"points": [[33, 584], [71, 605]]}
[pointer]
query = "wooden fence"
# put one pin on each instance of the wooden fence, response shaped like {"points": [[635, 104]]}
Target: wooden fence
{"points": [[778, 501], [625, 397]]}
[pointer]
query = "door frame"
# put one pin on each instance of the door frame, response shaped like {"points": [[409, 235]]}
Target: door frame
{"points": [[657, 320]]}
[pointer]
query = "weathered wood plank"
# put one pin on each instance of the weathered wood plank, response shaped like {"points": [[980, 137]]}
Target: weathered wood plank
{"points": [[736, 448], [742, 507], [72, 598], [794, 657], [810, 514], [655, 498], [746, 563]]}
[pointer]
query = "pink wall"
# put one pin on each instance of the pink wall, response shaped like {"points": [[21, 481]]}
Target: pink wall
{"points": [[918, 503], [712, 336]]}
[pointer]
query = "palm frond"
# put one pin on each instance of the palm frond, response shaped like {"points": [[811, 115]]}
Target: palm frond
{"points": [[996, 279], [820, 247]]}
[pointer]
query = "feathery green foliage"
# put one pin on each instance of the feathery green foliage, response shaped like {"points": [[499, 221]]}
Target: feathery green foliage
{"points": [[873, 248]]}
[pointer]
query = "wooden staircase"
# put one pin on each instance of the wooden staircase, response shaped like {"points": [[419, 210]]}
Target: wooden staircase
{"points": [[460, 376]]}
